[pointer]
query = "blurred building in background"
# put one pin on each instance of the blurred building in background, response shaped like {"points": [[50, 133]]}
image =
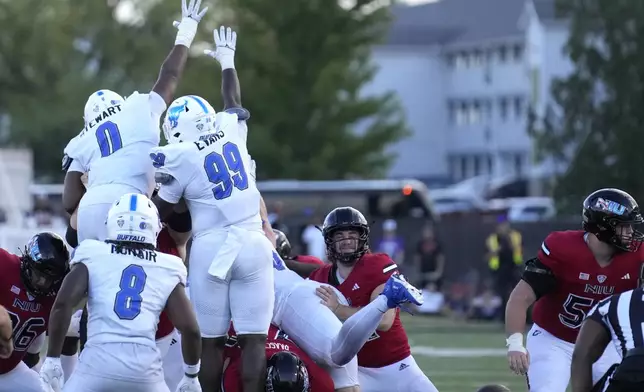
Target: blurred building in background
{"points": [[467, 73]]}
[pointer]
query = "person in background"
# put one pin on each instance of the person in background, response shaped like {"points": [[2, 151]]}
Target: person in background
{"points": [[313, 239], [504, 255], [434, 300], [275, 217], [429, 259], [391, 244], [486, 305]]}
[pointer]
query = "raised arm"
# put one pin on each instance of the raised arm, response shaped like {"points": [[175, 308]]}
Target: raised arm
{"points": [[224, 53], [172, 67]]}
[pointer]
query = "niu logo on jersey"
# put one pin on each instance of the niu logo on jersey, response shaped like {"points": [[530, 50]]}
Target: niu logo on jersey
{"points": [[26, 306]]}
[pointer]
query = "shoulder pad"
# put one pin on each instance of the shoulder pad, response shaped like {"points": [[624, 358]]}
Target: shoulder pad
{"points": [[242, 114]]}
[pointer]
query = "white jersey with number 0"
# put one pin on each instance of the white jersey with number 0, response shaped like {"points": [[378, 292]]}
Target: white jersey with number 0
{"points": [[127, 291], [114, 148], [215, 175]]}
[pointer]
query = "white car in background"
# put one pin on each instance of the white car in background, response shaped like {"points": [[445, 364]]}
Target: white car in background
{"points": [[525, 209]]}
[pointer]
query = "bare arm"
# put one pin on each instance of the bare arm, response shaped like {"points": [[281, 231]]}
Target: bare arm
{"points": [[344, 312], [515, 312], [73, 191], [230, 89], [71, 293], [171, 71], [183, 317], [591, 343], [6, 338]]}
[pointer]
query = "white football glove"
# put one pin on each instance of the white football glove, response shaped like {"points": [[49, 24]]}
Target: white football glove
{"points": [[189, 384], [190, 18], [225, 45], [51, 373]]}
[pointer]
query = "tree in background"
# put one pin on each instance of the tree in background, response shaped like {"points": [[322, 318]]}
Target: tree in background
{"points": [[596, 125], [302, 66]]}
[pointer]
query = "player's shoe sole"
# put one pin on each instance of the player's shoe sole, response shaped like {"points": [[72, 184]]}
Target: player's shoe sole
{"points": [[398, 291]]}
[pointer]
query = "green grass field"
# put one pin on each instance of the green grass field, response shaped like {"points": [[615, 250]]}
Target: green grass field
{"points": [[459, 356]]}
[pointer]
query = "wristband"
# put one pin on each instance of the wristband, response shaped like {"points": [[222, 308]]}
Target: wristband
{"points": [[187, 31], [514, 342], [192, 370]]}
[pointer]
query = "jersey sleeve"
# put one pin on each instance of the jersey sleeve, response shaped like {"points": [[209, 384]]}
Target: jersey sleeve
{"points": [[546, 254], [180, 270], [83, 252], [539, 277], [73, 157], [383, 268], [167, 162], [157, 104]]}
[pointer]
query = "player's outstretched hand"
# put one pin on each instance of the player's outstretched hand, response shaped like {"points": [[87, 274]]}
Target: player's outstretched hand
{"points": [[51, 373], [328, 297], [190, 17], [519, 361], [189, 384], [225, 46]]}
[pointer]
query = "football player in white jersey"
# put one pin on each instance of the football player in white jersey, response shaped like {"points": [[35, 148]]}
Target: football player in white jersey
{"points": [[128, 284], [207, 163], [112, 147]]}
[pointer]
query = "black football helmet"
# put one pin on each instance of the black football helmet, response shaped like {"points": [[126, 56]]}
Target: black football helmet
{"points": [[44, 264], [610, 214], [282, 244], [285, 372], [340, 219]]}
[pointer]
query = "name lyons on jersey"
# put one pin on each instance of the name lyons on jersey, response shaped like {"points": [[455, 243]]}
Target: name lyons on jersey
{"points": [[209, 139], [145, 254], [112, 110]]}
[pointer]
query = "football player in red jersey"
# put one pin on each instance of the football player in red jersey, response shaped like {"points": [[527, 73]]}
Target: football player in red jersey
{"points": [[289, 368], [28, 288], [385, 361], [571, 273]]}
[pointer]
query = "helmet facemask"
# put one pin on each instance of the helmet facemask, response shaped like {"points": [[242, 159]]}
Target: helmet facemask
{"points": [[346, 244]]}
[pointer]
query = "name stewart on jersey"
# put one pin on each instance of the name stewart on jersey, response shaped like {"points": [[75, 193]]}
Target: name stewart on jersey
{"points": [[145, 254], [209, 139], [112, 110]]}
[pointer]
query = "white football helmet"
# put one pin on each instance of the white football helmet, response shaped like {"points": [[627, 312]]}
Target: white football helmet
{"points": [[133, 218], [99, 101], [187, 119]]}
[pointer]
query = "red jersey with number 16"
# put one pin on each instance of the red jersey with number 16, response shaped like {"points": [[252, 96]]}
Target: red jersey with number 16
{"points": [[383, 347], [29, 315], [165, 244], [581, 282]]}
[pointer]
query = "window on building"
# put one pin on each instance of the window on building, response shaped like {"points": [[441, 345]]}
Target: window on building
{"points": [[477, 58], [517, 52], [462, 113], [503, 108], [477, 164], [518, 107], [463, 166], [490, 164], [475, 113], [503, 54], [518, 164], [462, 60]]}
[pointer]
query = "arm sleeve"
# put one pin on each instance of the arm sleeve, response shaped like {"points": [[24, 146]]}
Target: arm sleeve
{"points": [[539, 276], [80, 254]]}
